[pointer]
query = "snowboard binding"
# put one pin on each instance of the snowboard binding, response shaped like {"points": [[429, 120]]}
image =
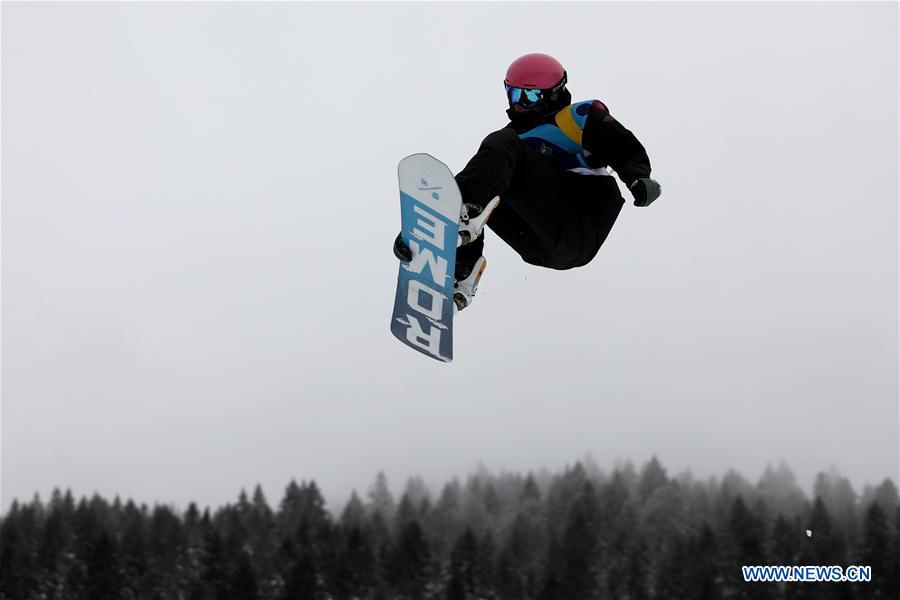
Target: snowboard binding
{"points": [[464, 289], [472, 220]]}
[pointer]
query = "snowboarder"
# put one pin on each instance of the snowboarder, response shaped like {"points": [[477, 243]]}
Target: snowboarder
{"points": [[550, 168]]}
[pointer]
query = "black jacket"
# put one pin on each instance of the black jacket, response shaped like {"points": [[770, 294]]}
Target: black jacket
{"points": [[551, 216], [609, 143]]}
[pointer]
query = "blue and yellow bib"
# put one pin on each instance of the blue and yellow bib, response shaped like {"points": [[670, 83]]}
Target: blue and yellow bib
{"points": [[560, 142]]}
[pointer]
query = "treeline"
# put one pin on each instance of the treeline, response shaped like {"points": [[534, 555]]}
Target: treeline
{"points": [[581, 534]]}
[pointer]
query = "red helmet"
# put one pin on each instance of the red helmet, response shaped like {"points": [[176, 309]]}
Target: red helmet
{"points": [[535, 71], [534, 79]]}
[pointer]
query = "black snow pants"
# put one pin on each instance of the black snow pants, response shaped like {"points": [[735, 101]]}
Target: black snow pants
{"points": [[551, 217]]}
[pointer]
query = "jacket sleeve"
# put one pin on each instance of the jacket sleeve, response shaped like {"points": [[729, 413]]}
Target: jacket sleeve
{"points": [[611, 144]]}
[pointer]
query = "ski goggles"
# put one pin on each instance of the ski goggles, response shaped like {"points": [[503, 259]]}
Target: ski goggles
{"points": [[524, 97]]}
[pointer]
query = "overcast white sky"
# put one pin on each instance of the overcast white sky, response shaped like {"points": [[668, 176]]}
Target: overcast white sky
{"points": [[199, 202]]}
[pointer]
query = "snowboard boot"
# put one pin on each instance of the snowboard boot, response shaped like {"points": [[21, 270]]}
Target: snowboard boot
{"points": [[472, 219], [465, 284]]}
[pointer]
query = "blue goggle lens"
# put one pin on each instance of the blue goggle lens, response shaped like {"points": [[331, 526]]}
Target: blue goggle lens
{"points": [[523, 96]]}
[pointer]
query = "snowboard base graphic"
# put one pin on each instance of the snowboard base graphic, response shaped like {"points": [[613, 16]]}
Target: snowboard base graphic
{"points": [[430, 202]]}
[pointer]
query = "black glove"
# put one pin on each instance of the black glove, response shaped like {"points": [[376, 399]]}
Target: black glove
{"points": [[645, 191], [401, 250]]}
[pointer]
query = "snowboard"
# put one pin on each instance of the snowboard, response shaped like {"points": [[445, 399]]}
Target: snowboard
{"points": [[430, 203]]}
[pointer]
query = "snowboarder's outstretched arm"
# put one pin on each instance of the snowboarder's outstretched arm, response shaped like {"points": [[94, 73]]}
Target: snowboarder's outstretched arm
{"points": [[610, 143]]}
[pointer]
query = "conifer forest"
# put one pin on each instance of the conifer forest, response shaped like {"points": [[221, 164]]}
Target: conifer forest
{"points": [[631, 533]]}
